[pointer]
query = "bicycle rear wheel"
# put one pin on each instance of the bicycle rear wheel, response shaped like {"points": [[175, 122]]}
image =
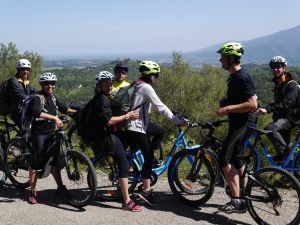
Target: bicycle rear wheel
{"points": [[107, 173], [2, 169], [191, 177], [281, 205], [76, 178], [17, 158]]}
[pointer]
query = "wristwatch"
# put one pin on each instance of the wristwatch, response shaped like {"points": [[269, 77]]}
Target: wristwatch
{"points": [[126, 117]]}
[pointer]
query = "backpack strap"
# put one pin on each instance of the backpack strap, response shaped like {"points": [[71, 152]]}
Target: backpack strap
{"points": [[134, 83]]}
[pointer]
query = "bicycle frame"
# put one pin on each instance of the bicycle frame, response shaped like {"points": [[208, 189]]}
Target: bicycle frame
{"points": [[180, 141], [287, 164]]}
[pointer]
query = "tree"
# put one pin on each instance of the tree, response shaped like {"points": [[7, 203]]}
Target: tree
{"points": [[9, 55]]}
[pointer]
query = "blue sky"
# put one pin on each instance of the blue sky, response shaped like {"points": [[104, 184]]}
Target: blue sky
{"points": [[96, 27]]}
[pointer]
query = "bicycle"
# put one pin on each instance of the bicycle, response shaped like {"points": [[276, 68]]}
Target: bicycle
{"points": [[265, 192], [73, 170], [107, 170], [291, 163], [7, 129]]}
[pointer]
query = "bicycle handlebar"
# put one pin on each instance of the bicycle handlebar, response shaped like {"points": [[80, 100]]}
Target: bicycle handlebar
{"points": [[207, 124]]}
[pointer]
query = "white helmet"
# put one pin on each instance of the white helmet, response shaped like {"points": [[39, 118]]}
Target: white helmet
{"points": [[104, 76], [23, 63], [47, 77], [278, 60]]}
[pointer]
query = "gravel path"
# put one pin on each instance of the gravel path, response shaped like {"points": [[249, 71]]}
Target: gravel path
{"points": [[51, 209]]}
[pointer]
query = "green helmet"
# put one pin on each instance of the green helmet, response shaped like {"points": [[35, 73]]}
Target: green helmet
{"points": [[232, 48], [149, 68]]}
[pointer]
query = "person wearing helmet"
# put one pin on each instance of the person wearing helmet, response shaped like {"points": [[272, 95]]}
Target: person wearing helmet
{"points": [[283, 108], [238, 106], [155, 132], [120, 75], [44, 107], [137, 127], [19, 88], [107, 140]]}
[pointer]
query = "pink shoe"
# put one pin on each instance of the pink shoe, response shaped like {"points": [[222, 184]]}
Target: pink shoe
{"points": [[132, 206], [32, 199]]}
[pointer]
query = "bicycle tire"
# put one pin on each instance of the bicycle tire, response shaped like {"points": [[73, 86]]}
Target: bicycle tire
{"points": [[182, 186], [17, 160], [212, 157], [284, 197], [73, 170], [3, 176], [107, 174], [296, 164]]}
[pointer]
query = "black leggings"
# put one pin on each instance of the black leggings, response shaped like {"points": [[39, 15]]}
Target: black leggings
{"points": [[142, 141], [39, 154], [156, 135], [114, 145]]}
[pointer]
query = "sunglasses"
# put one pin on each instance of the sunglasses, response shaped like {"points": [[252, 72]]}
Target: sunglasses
{"points": [[122, 72], [276, 66], [23, 69], [48, 83]]}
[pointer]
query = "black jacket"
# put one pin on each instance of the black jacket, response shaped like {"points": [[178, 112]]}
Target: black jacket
{"points": [[17, 92], [285, 99]]}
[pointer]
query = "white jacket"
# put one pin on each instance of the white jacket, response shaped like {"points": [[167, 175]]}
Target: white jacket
{"points": [[144, 97]]}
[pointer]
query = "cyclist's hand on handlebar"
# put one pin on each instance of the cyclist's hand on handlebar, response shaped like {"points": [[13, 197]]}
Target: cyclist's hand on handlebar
{"points": [[58, 123], [180, 121], [260, 111], [133, 115]]}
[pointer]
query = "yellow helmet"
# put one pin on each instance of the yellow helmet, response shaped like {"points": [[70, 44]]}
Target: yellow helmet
{"points": [[149, 68], [232, 48]]}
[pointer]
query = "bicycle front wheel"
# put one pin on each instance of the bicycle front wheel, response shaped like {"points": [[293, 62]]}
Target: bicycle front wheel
{"points": [[17, 159], [191, 177], [2, 169], [279, 203], [107, 173], [76, 178]]}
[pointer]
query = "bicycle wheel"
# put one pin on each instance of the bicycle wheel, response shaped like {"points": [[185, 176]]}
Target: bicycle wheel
{"points": [[281, 204], [2, 169], [296, 164], [17, 158], [107, 173], [212, 157], [192, 183], [76, 178]]}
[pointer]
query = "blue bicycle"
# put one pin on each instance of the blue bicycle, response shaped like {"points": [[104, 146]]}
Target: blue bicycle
{"points": [[107, 170], [291, 163]]}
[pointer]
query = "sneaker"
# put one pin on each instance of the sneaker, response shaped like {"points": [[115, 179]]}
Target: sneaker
{"points": [[233, 207], [131, 206], [147, 196], [32, 199]]}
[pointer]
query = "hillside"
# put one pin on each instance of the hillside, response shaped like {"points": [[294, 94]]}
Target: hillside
{"points": [[259, 50]]}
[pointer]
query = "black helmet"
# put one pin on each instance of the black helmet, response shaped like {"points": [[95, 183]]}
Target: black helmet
{"points": [[119, 66]]}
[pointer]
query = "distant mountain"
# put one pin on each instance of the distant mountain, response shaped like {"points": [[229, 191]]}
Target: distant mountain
{"points": [[285, 43]]}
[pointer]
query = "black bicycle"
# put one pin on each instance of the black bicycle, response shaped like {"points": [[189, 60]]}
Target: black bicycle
{"points": [[76, 177], [268, 192], [7, 130]]}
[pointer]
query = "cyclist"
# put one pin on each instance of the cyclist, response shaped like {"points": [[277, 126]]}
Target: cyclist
{"points": [[120, 75], [238, 105], [155, 132], [18, 89], [285, 101], [106, 137], [44, 108], [136, 133]]}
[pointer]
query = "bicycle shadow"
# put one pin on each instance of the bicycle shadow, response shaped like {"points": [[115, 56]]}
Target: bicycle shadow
{"points": [[50, 197], [168, 203]]}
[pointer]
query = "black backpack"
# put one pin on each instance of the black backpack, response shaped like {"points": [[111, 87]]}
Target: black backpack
{"points": [[122, 101], [296, 108], [86, 124], [4, 103]]}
